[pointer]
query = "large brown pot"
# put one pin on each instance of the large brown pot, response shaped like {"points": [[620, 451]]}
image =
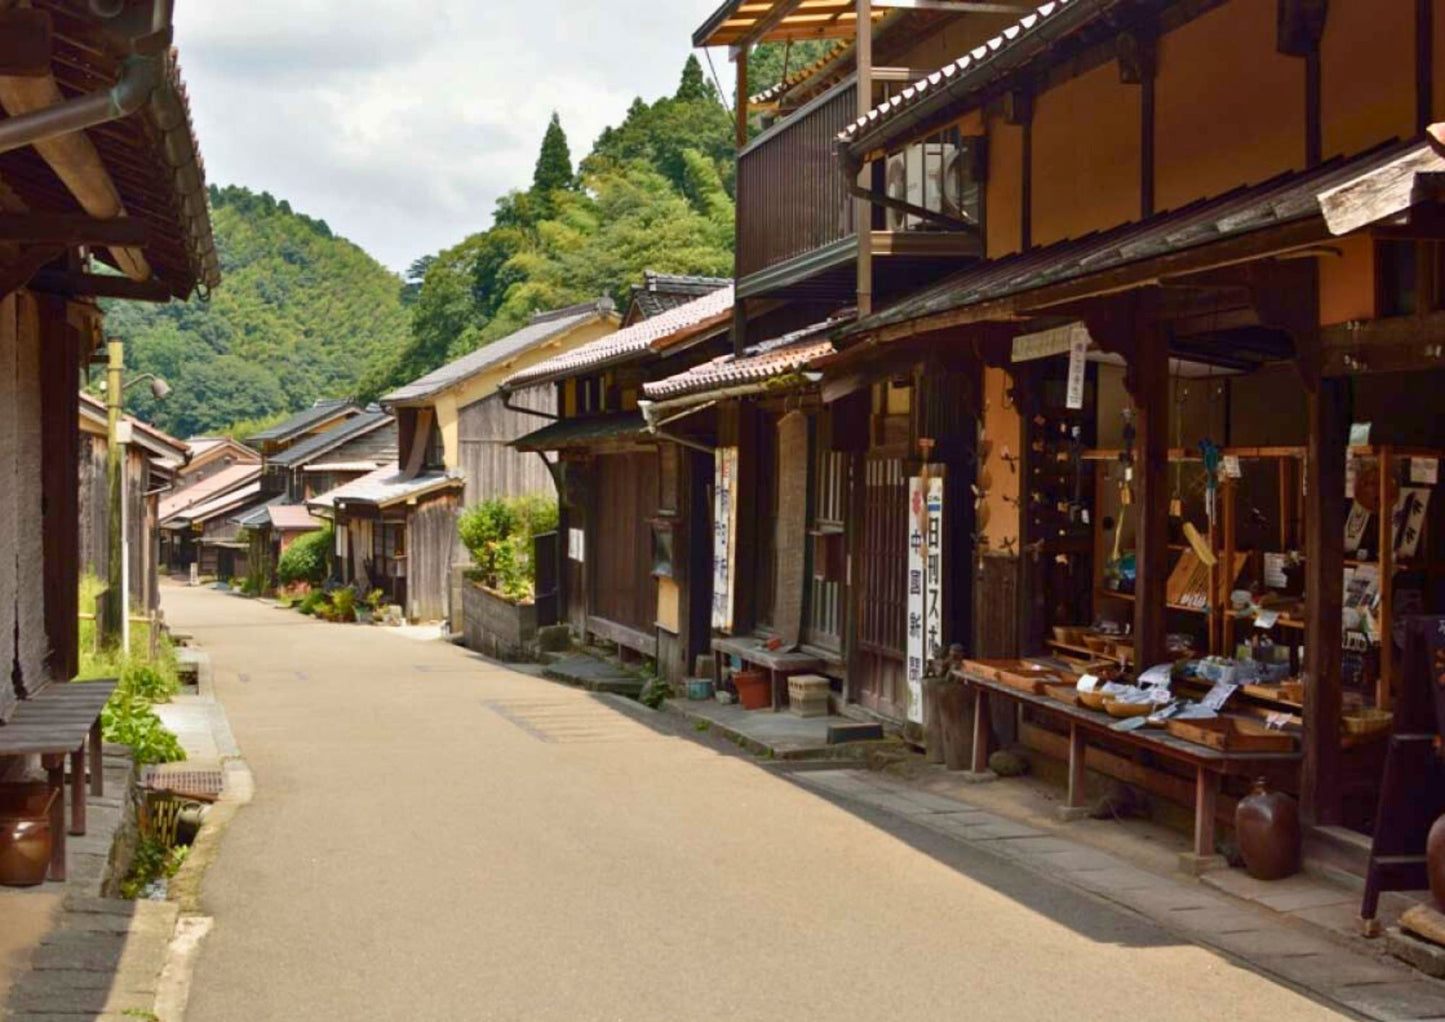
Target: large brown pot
{"points": [[1267, 828], [754, 693], [25, 837], [1435, 862]]}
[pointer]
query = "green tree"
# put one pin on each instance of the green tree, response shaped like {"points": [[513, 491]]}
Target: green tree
{"points": [[221, 390], [553, 172], [694, 86]]}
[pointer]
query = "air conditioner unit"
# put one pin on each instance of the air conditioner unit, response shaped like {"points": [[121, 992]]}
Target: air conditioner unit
{"points": [[950, 187]]}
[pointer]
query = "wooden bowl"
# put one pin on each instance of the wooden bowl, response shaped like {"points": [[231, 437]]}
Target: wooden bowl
{"points": [[1117, 708], [1063, 693], [1093, 700]]}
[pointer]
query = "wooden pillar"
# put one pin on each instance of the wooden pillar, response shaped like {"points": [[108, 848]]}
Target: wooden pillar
{"points": [[1324, 515], [862, 208], [1149, 386], [740, 108], [60, 360]]}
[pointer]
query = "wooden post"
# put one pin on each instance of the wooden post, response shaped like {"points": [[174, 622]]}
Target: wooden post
{"points": [[979, 763], [55, 776], [740, 111], [1324, 515], [1389, 490], [1074, 807], [1150, 390], [862, 208], [77, 791], [114, 469]]}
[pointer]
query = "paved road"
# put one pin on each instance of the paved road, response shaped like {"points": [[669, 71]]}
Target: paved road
{"points": [[437, 838]]}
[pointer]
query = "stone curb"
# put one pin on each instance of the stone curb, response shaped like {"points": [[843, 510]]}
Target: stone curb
{"points": [[841, 757]]}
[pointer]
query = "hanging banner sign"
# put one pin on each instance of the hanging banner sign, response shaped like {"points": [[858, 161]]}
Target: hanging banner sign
{"points": [[925, 585], [1059, 340], [1078, 352], [724, 528]]}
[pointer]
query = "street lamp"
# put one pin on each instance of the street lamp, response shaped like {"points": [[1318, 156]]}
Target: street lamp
{"points": [[118, 435]]}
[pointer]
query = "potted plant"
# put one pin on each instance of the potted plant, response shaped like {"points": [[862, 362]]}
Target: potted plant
{"points": [[499, 614], [370, 608]]}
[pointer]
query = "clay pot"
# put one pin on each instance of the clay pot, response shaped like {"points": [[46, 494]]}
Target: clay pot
{"points": [[1267, 829], [753, 690], [25, 838], [1435, 862]]}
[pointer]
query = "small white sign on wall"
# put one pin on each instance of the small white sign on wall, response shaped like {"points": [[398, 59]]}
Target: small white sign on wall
{"points": [[576, 545]]}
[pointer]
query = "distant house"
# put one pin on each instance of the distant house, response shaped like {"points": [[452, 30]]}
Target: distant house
{"points": [[182, 524], [210, 455], [396, 528], [320, 417], [348, 449], [154, 460]]}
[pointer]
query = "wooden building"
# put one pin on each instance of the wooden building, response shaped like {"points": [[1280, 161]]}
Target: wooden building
{"points": [[634, 568], [1200, 291], [97, 164], [178, 550], [319, 461], [210, 455], [153, 463]]}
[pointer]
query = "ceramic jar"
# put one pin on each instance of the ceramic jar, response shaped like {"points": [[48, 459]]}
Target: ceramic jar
{"points": [[1435, 862], [1267, 829]]}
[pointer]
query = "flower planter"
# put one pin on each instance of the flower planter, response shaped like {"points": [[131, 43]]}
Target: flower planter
{"points": [[497, 627], [753, 690]]}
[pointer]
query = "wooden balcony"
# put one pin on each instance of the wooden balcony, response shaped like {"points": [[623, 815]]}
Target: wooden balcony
{"points": [[797, 236]]}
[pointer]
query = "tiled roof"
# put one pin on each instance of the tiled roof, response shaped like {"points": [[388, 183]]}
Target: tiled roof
{"points": [[157, 441], [321, 443], [151, 156], [209, 509], [1018, 43], [789, 353], [227, 479], [581, 431], [655, 334], [659, 292], [258, 517], [322, 410], [543, 327], [1285, 199], [386, 486], [802, 74], [292, 517]]}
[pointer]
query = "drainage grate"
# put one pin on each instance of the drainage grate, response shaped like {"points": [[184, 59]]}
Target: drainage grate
{"points": [[201, 785]]}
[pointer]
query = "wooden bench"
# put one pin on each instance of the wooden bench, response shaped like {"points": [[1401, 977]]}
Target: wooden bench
{"points": [[780, 665], [1210, 765], [62, 721]]}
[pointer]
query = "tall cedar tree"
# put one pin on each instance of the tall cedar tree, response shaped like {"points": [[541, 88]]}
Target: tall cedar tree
{"points": [[554, 166]]}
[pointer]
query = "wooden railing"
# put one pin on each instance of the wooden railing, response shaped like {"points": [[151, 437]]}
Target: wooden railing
{"points": [[792, 196]]}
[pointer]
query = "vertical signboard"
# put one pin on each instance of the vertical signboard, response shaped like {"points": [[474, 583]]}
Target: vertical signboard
{"points": [[724, 530], [925, 585]]}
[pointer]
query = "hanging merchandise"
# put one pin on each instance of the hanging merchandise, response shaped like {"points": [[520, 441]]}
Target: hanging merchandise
{"points": [[1176, 499]]}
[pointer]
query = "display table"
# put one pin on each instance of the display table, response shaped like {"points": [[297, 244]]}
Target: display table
{"points": [[62, 720], [780, 665], [1209, 765]]}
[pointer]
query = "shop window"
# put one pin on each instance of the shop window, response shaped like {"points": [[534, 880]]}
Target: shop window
{"points": [[1398, 263], [824, 620]]}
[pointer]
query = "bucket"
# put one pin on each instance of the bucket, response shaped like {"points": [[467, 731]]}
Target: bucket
{"points": [[752, 688], [25, 836], [699, 688]]}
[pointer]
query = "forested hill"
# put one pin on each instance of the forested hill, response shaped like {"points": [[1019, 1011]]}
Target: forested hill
{"points": [[300, 314]]}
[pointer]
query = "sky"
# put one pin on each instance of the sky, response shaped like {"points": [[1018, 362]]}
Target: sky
{"points": [[400, 123]]}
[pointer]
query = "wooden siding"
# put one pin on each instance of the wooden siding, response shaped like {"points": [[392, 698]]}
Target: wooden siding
{"points": [[620, 545], [93, 525], [882, 605], [491, 466], [792, 197], [431, 544]]}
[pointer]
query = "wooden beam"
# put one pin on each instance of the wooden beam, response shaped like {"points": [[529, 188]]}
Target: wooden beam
{"points": [[760, 28], [71, 229], [68, 282], [957, 6], [25, 43], [1324, 516], [1394, 344]]}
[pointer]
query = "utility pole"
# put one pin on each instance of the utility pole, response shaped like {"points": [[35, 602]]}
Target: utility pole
{"points": [[116, 612]]}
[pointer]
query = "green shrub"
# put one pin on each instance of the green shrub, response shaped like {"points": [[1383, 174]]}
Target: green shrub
{"points": [[308, 559], [311, 602], [499, 533], [343, 604]]}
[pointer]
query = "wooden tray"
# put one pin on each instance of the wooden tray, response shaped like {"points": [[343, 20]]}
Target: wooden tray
{"points": [[1017, 674], [1063, 693], [1232, 734]]}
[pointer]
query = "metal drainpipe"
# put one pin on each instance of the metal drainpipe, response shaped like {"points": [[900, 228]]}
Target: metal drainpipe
{"points": [[507, 396], [140, 76]]}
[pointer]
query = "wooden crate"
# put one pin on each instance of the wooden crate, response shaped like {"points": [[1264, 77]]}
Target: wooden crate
{"points": [[1232, 734]]}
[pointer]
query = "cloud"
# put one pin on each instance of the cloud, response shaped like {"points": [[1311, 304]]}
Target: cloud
{"points": [[400, 124]]}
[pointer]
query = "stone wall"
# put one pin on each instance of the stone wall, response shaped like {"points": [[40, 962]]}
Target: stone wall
{"points": [[496, 627]]}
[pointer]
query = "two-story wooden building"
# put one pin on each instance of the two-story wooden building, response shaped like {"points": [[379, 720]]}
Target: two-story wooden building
{"points": [[1179, 281]]}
